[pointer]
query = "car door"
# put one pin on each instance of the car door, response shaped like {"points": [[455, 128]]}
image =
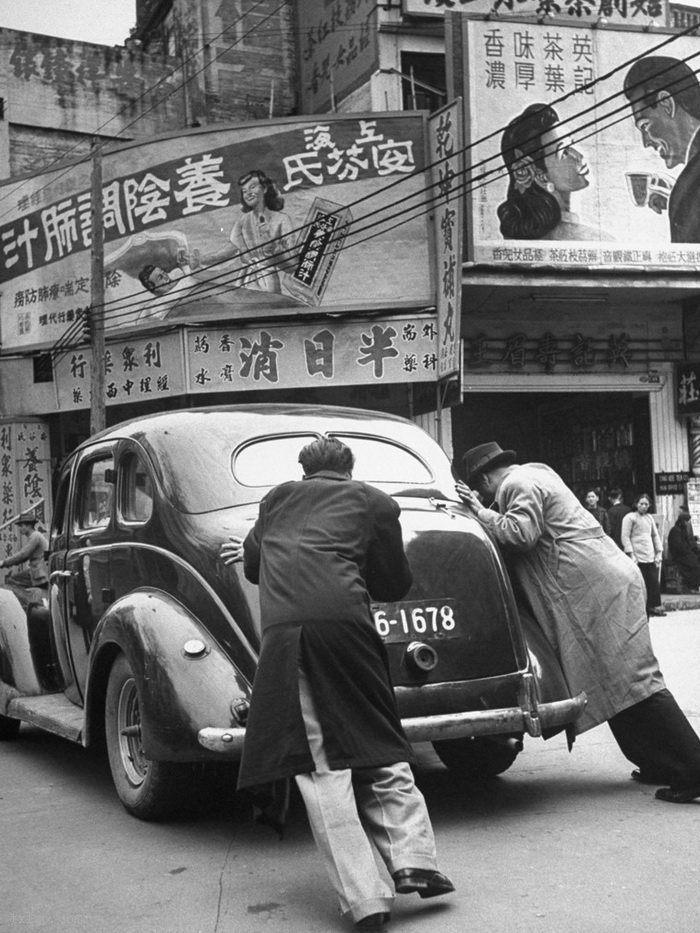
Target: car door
{"points": [[84, 579]]}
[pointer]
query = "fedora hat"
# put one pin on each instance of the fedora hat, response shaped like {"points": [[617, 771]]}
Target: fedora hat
{"points": [[26, 518], [485, 457]]}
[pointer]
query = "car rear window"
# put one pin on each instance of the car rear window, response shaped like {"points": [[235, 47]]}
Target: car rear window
{"points": [[272, 460]]}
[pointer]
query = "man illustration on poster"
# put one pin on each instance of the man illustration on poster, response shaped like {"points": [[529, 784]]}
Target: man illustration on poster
{"points": [[664, 94]]}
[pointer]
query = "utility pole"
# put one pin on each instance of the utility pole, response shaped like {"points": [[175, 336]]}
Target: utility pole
{"points": [[97, 293]]}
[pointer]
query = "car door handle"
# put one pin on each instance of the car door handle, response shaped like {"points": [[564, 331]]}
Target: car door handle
{"points": [[60, 575]]}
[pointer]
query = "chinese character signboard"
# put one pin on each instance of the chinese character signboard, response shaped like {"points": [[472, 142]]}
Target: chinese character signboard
{"points": [[687, 389], [637, 13], [670, 484], [312, 354], [531, 342], [25, 477], [269, 356], [580, 157], [337, 49], [275, 218], [446, 150], [139, 370]]}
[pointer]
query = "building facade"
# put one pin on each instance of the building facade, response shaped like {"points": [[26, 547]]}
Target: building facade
{"points": [[572, 336]]}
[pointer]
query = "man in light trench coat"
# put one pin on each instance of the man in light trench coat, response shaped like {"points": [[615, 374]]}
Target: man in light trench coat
{"points": [[589, 599]]}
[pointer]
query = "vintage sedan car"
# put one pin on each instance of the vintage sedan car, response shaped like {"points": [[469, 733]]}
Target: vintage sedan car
{"points": [[149, 642]]}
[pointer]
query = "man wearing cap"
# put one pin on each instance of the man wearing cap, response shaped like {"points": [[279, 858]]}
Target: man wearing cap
{"points": [[33, 551], [589, 599]]}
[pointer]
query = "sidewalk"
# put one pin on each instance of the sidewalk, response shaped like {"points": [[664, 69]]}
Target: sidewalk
{"points": [[674, 602]]}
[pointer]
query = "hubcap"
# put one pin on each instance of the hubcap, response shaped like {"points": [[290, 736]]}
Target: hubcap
{"points": [[134, 761]]}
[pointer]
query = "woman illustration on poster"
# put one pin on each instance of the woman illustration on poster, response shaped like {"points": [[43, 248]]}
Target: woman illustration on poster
{"points": [[262, 234], [544, 169]]}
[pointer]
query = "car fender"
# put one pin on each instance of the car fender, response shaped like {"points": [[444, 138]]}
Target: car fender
{"points": [[181, 691], [18, 661]]}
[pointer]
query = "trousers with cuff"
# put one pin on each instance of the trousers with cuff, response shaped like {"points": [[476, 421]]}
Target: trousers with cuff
{"points": [[355, 812], [655, 735]]}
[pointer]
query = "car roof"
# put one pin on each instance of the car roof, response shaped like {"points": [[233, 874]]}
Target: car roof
{"points": [[277, 417]]}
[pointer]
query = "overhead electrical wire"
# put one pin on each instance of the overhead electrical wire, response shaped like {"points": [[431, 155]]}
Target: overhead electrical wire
{"points": [[672, 38], [467, 185]]}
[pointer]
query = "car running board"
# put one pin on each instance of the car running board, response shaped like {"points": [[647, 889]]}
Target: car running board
{"points": [[52, 712]]}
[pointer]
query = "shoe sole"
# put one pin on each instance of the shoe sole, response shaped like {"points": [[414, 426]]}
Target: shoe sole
{"points": [[423, 891]]}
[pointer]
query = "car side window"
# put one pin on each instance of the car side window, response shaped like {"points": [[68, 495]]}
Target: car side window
{"points": [[136, 502], [96, 484], [58, 524]]}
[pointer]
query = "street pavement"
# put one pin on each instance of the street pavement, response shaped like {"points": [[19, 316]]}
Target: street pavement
{"points": [[563, 843]]}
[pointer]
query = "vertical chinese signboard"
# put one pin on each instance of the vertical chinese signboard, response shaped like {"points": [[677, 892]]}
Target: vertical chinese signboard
{"points": [[687, 389], [25, 469], [337, 50], [446, 152]]}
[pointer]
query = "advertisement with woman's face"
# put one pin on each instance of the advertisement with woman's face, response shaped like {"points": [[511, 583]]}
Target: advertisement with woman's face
{"points": [[584, 147], [274, 218]]}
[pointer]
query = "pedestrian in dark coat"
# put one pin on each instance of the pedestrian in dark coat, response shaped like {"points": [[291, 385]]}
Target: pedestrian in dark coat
{"points": [[323, 709], [683, 550], [589, 600], [590, 501], [617, 511]]}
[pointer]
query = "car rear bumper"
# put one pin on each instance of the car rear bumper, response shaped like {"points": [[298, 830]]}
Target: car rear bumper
{"points": [[229, 742]]}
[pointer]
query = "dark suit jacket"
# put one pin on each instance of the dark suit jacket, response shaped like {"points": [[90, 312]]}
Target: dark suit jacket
{"points": [[684, 203], [322, 548]]}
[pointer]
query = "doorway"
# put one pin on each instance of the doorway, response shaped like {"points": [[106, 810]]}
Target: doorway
{"points": [[594, 440]]}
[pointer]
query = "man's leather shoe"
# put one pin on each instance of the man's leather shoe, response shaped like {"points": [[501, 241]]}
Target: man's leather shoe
{"points": [[657, 611], [678, 796], [424, 881], [373, 922]]}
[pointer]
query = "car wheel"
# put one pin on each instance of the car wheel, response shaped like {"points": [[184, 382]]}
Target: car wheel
{"points": [[149, 790], [479, 757], [9, 728]]}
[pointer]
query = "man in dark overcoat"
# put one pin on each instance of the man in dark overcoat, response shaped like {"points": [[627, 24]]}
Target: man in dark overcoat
{"points": [[589, 599], [323, 708], [617, 511], [683, 550]]}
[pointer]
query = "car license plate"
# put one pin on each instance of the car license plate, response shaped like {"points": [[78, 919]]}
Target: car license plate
{"points": [[411, 619]]}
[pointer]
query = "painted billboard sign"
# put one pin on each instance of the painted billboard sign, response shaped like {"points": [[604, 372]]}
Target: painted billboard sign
{"points": [[337, 49], [273, 218], [638, 12], [583, 153], [267, 356]]}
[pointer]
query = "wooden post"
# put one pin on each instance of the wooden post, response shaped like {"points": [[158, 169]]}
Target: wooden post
{"points": [[97, 292]]}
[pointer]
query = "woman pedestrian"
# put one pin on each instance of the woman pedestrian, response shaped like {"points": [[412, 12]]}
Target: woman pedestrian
{"points": [[642, 542]]}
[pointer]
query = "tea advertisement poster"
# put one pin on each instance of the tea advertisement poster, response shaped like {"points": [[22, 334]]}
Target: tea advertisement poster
{"points": [[584, 148]]}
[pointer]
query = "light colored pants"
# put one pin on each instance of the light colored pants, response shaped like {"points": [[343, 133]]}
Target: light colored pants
{"points": [[351, 810]]}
